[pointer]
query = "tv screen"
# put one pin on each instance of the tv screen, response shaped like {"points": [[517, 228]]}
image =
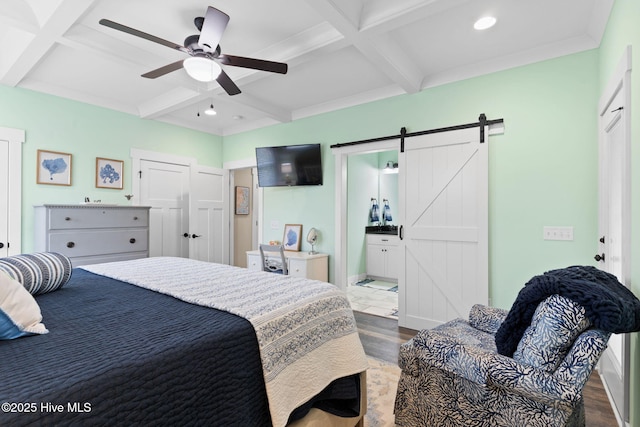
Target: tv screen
{"points": [[289, 165]]}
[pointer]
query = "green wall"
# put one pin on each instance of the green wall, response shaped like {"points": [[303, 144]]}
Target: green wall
{"points": [[622, 31], [87, 132], [543, 170]]}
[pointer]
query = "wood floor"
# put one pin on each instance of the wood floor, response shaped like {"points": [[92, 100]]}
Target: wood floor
{"points": [[382, 337]]}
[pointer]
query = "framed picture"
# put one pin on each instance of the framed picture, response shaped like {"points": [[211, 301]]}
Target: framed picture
{"points": [[242, 200], [109, 173], [291, 239], [53, 168]]}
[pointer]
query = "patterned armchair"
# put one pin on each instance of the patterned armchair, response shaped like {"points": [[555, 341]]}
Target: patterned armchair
{"points": [[452, 375]]}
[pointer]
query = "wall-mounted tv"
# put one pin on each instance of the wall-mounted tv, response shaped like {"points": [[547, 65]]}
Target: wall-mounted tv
{"points": [[289, 165]]}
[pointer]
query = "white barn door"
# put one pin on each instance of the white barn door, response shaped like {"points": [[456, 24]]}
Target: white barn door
{"points": [[209, 215], [444, 248]]}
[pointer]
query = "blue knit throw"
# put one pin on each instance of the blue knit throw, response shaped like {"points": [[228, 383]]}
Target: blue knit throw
{"points": [[608, 304]]}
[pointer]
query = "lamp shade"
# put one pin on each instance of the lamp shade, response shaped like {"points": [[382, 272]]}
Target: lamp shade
{"points": [[202, 69]]}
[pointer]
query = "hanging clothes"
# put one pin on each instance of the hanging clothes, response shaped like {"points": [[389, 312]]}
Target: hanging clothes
{"points": [[374, 212], [386, 212]]}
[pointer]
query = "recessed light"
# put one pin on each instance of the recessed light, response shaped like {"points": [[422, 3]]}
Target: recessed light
{"points": [[485, 23]]}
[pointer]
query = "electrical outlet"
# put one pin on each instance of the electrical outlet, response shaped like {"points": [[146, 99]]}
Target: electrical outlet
{"points": [[275, 225], [557, 233]]}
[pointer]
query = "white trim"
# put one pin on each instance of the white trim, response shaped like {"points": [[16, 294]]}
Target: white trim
{"points": [[137, 155], [15, 137], [340, 214], [258, 198], [249, 162], [619, 83]]}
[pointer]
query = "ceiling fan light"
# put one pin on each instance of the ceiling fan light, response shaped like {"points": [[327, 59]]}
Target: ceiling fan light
{"points": [[201, 69], [210, 111]]}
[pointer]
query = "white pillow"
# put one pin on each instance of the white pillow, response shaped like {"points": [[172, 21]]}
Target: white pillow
{"points": [[19, 312]]}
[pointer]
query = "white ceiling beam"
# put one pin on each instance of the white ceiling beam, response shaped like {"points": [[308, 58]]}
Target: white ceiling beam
{"points": [[387, 58], [61, 19]]}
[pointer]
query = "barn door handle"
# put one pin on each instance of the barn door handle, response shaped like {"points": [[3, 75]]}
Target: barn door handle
{"points": [[401, 232], [599, 257]]}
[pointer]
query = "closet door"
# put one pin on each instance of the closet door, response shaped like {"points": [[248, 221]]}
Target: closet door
{"points": [[209, 214], [4, 196], [11, 141], [165, 187], [444, 248]]}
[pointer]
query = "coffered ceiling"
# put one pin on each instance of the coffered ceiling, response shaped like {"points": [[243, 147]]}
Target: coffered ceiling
{"points": [[339, 53]]}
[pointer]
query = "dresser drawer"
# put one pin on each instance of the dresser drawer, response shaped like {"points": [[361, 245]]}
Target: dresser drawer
{"points": [[98, 242], [92, 217]]}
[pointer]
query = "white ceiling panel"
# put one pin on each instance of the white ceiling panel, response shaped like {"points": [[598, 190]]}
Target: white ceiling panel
{"points": [[339, 53]]}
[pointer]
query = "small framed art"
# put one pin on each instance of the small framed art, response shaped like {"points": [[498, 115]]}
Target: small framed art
{"points": [[242, 200], [54, 168], [291, 239], [109, 173]]}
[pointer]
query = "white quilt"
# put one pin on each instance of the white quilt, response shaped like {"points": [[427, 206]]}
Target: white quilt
{"points": [[305, 328]]}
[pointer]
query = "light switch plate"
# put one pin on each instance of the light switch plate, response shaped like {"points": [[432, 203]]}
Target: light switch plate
{"points": [[557, 233]]}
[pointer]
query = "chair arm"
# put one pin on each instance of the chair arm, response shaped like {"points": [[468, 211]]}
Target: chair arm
{"points": [[533, 383], [487, 319], [446, 353]]}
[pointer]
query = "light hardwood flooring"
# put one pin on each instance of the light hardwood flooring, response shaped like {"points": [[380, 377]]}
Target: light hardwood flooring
{"points": [[382, 337]]}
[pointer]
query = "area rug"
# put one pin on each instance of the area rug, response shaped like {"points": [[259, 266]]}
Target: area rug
{"points": [[382, 384], [378, 284]]}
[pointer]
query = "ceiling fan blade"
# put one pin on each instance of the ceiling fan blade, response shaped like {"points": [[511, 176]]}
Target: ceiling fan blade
{"points": [[215, 22], [227, 84], [163, 70], [255, 64], [138, 33]]}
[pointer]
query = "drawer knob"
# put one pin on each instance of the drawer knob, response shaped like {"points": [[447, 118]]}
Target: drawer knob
{"points": [[66, 218], [70, 244], [135, 218], [132, 240]]}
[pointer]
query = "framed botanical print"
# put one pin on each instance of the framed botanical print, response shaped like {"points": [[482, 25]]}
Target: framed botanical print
{"points": [[53, 168], [109, 173], [291, 239]]}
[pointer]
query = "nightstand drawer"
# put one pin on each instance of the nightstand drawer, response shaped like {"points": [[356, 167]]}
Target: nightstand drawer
{"points": [[98, 242], [96, 217]]}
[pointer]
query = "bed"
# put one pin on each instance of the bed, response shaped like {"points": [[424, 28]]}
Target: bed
{"points": [[172, 341]]}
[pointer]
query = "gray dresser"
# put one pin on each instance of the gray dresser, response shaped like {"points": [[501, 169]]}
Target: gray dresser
{"points": [[91, 234]]}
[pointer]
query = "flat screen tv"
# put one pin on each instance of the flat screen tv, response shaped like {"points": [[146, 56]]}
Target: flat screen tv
{"points": [[289, 165]]}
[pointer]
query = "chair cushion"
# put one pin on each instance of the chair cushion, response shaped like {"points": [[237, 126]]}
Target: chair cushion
{"points": [[555, 325]]}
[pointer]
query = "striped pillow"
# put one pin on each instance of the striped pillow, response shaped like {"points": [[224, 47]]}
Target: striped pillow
{"points": [[40, 272]]}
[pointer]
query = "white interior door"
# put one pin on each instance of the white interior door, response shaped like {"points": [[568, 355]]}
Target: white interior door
{"points": [[615, 223], [11, 141], [444, 248], [209, 215], [166, 187], [4, 196]]}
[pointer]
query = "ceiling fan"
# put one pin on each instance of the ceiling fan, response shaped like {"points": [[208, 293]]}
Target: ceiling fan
{"points": [[204, 51]]}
